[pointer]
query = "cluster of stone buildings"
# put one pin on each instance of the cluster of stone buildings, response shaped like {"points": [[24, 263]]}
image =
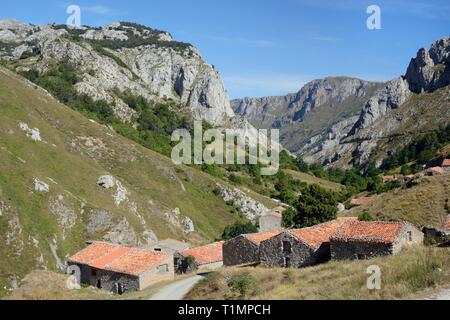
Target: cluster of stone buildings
{"points": [[340, 239], [119, 269]]}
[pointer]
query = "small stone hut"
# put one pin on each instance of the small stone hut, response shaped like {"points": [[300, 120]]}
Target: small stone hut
{"points": [[244, 249], [209, 257], [300, 247], [272, 220], [365, 240], [120, 269]]}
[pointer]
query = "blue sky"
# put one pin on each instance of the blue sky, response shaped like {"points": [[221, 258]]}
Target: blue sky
{"points": [[273, 47]]}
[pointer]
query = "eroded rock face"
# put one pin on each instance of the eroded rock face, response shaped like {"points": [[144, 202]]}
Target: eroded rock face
{"points": [[430, 69], [392, 96], [154, 66], [32, 133], [250, 208]]}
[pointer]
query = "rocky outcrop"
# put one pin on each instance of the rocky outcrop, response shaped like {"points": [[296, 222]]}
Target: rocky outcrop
{"points": [[392, 96], [430, 70], [248, 207], [40, 186], [123, 56], [174, 219]]}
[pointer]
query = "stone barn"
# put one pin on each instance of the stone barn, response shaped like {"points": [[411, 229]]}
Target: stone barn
{"points": [[209, 257], [300, 247], [244, 249], [365, 240], [272, 220], [121, 269]]}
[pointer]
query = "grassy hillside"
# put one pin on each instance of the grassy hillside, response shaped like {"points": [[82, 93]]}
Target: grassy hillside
{"points": [[73, 154], [414, 273], [426, 203], [310, 179]]}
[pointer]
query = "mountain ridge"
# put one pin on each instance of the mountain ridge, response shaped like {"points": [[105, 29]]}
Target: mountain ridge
{"points": [[332, 144]]}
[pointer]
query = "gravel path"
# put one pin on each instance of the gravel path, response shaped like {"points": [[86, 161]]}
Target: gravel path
{"points": [[177, 290]]}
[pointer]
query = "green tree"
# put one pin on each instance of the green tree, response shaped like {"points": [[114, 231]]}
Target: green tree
{"points": [[238, 228], [315, 205]]}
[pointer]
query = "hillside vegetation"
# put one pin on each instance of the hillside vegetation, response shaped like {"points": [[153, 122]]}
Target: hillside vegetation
{"points": [[426, 203], [40, 229]]}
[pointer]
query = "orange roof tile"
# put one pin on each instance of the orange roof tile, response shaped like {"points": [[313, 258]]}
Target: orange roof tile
{"points": [[436, 170], [321, 233], [260, 237], [389, 178], [446, 163], [447, 223], [275, 214], [362, 201], [206, 254], [111, 257], [363, 231]]}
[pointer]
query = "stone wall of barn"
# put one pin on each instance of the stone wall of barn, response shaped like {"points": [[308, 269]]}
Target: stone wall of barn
{"points": [[119, 283], [161, 272], [107, 280], [409, 235], [240, 251], [353, 250], [273, 253], [358, 250], [269, 223]]}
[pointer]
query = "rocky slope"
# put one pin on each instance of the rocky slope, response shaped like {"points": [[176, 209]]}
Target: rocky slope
{"points": [[119, 57], [375, 123], [320, 109], [65, 179]]}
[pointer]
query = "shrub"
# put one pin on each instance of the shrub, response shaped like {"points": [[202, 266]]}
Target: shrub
{"points": [[243, 284], [365, 216], [237, 229]]}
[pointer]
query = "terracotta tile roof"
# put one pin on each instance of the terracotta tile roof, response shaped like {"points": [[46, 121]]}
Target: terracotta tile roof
{"points": [[279, 209], [436, 170], [319, 234], [207, 254], [389, 178], [362, 201], [275, 214], [447, 223], [363, 231], [446, 163], [257, 238], [111, 257]]}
